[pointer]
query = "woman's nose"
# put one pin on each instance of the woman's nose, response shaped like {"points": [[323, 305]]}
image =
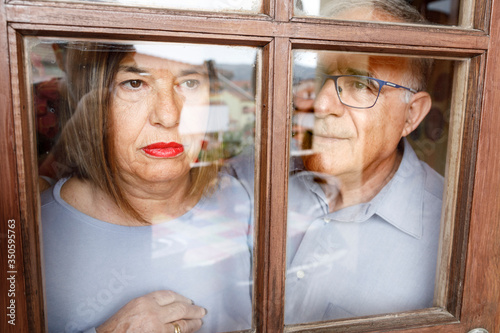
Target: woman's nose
{"points": [[327, 101], [167, 108]]}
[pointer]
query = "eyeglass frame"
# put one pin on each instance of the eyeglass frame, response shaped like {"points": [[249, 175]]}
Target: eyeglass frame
{"points": [[380, 82]]}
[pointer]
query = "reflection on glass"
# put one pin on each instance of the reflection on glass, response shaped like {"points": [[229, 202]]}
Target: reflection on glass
{"points": [[369, 140], [239, 6], [138, 220], [444, 12]]}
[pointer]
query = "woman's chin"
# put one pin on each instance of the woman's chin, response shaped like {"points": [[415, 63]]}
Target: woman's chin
{"points": [[160, 174]]}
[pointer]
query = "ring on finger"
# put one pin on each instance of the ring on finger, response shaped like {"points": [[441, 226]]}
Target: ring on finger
{"points": [[177, 328]]}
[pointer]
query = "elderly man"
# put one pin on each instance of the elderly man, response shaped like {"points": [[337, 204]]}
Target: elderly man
{"points": [[364, 218], [364, 212]]}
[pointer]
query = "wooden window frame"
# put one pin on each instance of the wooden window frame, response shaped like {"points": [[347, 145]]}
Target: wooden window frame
{"points": [[475, 224]]}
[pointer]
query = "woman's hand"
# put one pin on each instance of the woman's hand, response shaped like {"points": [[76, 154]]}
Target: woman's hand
{"points": [[156, 312]]}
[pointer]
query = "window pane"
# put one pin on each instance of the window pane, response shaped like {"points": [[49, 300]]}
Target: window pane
{"points": [[444, 12], [368, 155], [132, 137], [239, 6]]}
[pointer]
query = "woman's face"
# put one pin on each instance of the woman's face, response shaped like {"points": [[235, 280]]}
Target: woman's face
{"points": [[159, 112]]}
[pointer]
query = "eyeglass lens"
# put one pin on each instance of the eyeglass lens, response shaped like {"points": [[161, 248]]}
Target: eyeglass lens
{"points": [[357, 91]]}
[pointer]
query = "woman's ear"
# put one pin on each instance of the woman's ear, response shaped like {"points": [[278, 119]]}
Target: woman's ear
{"points": [[418, 107]]}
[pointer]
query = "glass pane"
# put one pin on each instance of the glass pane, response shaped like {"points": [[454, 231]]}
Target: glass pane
{"points": [[238, 6], [368, 156], [139, 219], [445, 12]]}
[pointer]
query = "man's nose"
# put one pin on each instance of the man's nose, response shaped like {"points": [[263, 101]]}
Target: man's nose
{"points": [[167, 108], [327, 101]]}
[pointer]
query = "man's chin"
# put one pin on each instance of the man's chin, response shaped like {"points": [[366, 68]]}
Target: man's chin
{"points": [[317, 162]]}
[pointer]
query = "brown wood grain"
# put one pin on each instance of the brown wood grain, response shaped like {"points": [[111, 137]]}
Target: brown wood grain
{"points": [[272, 199], [465, 185], [481, 302], [9, 199], [356, 46], [116, 34], [258, 41], [481, 15], [280, 130], [315, 29], [262, 186], [283, 10], [474, 291], [381, 323], [28, 186]]}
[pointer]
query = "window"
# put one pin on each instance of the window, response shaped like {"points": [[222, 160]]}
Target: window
{"points": [[435, 12], [253, 6], [169, 114], [277, 38]]}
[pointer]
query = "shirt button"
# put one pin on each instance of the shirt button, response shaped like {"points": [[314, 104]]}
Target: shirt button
{"points": [[301, 274], [327, 219]]}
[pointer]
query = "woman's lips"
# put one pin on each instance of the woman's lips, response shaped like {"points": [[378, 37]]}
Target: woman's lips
{"points": [[163, 149]]}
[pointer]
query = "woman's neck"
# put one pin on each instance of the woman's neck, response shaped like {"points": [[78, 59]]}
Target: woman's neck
{"points": [[161, 201], [155, 203]]}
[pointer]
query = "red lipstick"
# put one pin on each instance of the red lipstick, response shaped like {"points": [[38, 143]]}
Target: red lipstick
{"points": [[163, 149]]}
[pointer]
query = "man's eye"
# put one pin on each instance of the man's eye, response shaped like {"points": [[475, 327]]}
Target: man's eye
{"points": [[190, 84], [132, 84], [365, 85], [360, 85]]}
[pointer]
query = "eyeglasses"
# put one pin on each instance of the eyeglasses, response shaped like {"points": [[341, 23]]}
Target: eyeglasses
{"points": [[358, 91]]}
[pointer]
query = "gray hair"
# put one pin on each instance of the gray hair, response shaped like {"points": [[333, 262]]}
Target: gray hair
{"points": [[401, 11]]}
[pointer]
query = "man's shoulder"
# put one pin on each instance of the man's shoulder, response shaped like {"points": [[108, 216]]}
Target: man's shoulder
{"points": [[434, 182], [419, 171]]}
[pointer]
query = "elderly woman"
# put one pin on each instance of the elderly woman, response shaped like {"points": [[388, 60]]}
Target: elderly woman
{"points": [[137, 236]]}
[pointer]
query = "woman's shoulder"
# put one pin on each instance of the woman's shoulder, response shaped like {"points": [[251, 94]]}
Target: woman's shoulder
{"points": [[51, 194], [53, 208], [63, 199], [229, 196], [74, 187], [231, 186], [85, 198]]}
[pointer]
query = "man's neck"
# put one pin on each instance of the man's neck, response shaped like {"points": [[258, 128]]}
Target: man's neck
{"points": [[364, 186]]}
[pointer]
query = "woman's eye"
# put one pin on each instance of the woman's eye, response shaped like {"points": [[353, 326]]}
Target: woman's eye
{"points": [[132, 84]]}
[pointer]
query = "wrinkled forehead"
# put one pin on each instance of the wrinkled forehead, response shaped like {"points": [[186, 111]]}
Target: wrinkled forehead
{"points": [[370, 64], [362, 64], [155, 63]]}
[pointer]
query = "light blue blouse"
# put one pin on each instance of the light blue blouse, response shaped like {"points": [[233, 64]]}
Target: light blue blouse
{"points": [[93, 268]]}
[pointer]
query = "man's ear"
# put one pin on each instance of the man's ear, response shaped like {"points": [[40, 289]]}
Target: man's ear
{"points": [[418, 108]]}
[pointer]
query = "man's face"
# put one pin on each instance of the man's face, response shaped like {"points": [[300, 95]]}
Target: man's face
{"points": [[350, 142]]}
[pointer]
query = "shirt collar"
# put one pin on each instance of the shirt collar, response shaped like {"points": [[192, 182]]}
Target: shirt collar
{"points": [[403, 203], [399, 203]]}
